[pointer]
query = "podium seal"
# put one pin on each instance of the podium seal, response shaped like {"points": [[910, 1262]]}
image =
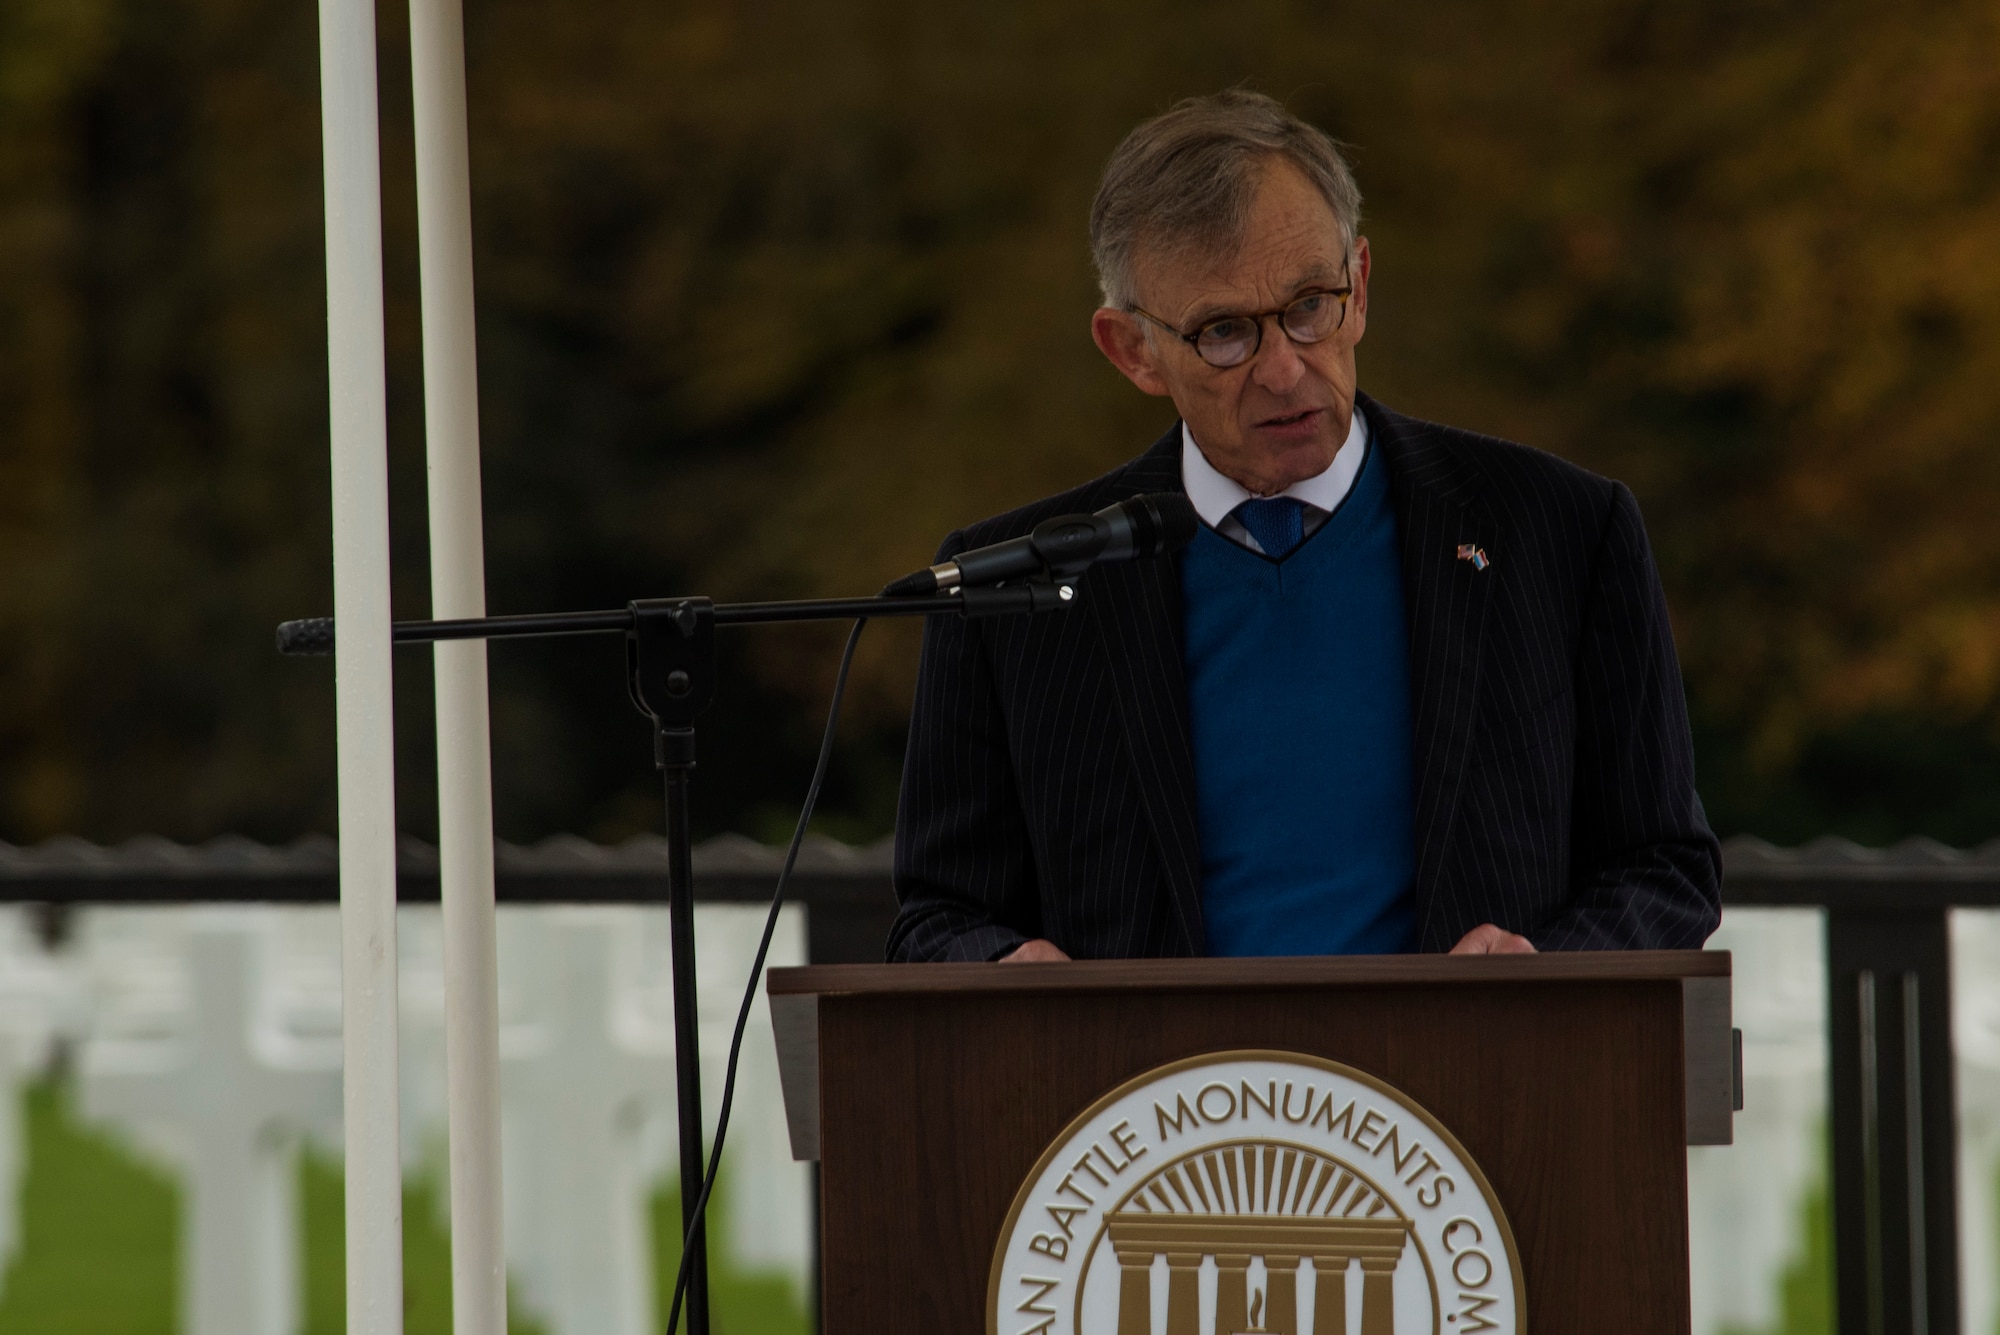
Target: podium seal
{"points": [[1245, 1192]]}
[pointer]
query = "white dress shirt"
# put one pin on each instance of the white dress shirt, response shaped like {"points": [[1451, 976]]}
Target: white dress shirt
{"points": [[1215, 497]]}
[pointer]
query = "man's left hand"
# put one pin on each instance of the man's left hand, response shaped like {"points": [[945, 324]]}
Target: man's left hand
{"points": [[1486, 939]]}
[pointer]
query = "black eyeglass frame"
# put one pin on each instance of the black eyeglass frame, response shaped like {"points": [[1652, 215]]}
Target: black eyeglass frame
{"points": [[1257, 319]]}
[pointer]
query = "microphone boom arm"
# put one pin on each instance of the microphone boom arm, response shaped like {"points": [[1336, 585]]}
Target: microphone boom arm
{"points": [[314, 636]]}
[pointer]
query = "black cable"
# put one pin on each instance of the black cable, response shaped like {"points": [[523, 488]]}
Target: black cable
{"points": [[757, 971]]}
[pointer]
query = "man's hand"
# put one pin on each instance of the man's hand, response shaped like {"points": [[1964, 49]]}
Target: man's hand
{"points": [[1485, 939], [1036, 951]]}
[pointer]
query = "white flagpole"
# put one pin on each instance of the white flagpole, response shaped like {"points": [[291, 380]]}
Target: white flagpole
{"points": [[458, 589], [364, 734]]}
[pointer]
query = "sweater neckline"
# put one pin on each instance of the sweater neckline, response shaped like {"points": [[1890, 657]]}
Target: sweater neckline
{"points": [[1340, 529]]}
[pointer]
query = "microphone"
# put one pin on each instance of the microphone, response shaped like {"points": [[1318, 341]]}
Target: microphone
{"points": [[1132, 530]]}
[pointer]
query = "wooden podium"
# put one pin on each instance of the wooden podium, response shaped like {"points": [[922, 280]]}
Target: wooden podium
{"points": [[930, 1094]]}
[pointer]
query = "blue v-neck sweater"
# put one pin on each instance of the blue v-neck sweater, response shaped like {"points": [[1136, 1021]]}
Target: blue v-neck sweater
{"points": [[1299, 692]]}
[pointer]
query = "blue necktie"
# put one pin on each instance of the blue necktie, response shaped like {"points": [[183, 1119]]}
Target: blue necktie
{"points": [[1277, 522]]}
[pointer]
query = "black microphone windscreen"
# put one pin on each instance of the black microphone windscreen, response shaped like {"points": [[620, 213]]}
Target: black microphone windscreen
{"points": [[310, 638], [1161, 522], [1178, 521]]}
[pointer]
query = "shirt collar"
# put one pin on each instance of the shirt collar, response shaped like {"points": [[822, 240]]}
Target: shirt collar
{"points": [[1215, 495]]}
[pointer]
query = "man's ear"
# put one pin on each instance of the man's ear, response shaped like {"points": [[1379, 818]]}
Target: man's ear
{"points": [[1121, 338], [1363, 262]]}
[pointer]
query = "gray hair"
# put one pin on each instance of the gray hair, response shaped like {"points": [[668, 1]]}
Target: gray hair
{"points": [[1184, 180]]}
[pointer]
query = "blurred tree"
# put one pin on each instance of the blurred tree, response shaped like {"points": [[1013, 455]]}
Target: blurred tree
{"points": [[772, 295], [159, 490]]}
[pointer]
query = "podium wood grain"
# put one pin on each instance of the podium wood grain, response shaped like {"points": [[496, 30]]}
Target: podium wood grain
{"points": [[1561, 1076]]}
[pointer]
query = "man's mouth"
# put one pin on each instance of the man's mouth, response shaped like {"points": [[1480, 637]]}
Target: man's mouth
{"points": [[1291, 419]]}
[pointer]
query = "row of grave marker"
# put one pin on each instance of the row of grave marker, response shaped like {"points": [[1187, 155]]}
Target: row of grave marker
{"points": [[209, 1039]]}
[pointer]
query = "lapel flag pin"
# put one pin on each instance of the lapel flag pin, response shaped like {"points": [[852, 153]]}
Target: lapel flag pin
{"points": [[1476, 555]]}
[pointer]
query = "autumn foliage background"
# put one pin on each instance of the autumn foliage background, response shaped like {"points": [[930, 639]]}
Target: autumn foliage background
{"points": [[774, 293]]}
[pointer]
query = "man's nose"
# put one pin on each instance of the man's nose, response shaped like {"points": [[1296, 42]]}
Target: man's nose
{"points": [[1277, 366]]}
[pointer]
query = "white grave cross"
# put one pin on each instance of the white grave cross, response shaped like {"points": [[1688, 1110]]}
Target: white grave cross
{"points": [[1975, 985], [1743, 1199], [228, 1096], [577, 1090]]}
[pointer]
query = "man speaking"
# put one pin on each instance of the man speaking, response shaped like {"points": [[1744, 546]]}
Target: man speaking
{"points": [[1409, 688]]}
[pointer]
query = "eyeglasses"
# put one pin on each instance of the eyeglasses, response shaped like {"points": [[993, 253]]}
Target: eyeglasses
{"points": [[1232, 340]]}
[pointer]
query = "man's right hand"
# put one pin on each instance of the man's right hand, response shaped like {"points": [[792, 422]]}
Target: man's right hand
{"points": [[1486, 939], [1036, 951]]}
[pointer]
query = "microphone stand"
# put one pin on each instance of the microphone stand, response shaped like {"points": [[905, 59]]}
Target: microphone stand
{"points": [[670, 675]]}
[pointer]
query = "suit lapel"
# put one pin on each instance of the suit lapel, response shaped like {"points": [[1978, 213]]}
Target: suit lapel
{"points": [[1136, 607], [1438, 508]]}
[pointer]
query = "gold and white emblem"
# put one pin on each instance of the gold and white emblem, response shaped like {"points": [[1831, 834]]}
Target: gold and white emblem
{"points": [[1247, 1192]]}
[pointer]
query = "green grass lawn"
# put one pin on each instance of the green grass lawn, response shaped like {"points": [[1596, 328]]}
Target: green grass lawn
{"points": [[99, 1248], [98, 1254]]}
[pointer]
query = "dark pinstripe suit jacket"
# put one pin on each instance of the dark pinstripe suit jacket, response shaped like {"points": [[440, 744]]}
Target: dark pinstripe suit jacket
{"points": [[1049, 787]]}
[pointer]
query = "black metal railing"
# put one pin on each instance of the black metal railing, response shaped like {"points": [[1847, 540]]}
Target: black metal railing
{"points": [[1889, 1023], [845, 889]]}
